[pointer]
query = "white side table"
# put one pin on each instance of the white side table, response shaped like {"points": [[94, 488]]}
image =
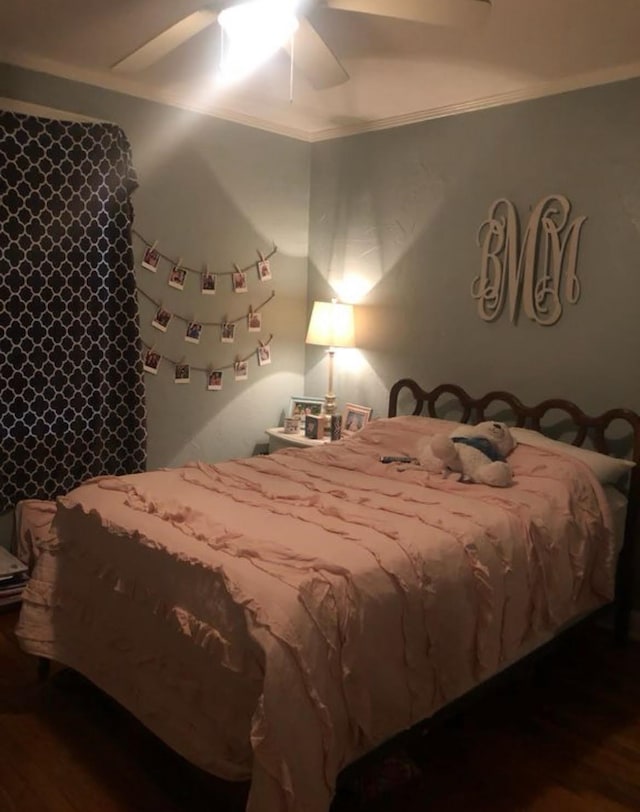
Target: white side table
{"points": [[278, 439]]}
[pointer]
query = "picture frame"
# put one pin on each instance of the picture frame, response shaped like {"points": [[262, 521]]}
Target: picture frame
{"points": [[355, 417], [302, 405]]}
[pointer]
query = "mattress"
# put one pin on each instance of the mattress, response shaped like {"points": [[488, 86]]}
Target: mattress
{"points": [[275, 618]]}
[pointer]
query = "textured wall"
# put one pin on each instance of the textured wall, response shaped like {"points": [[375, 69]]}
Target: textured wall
{"points": [[402, 209]]}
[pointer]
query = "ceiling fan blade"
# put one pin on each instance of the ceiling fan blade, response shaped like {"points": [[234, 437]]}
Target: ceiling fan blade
{"points": [[313, 57], [433, 12], [165, 42]]}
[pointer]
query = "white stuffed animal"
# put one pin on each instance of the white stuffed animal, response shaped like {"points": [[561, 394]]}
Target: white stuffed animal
{"points": [[478, 453]]}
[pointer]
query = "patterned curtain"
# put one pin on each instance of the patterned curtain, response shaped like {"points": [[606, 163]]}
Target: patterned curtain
{"points": [[71, 386]]}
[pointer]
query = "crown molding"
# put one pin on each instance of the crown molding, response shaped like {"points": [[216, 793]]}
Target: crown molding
{"points": [[127, 87], [122, 85], [538, 91]]}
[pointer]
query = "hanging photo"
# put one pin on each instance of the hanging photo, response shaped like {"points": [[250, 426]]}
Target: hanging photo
{"points": [[182, 374], [264, 355], [177, 277], [194, 332], [228, 332], [161, 319], [151, 362], [208, 284], [254, 322], [239, 279], [151, 259], [241, 370], [214, 380], [264, 270]]}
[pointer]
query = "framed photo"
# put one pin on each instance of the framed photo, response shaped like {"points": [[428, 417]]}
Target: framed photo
{"points": [[355, 417], [301, 406]]}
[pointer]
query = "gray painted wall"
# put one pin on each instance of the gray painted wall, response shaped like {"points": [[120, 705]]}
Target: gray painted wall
{"points": [[402, 209], [216, 192]]}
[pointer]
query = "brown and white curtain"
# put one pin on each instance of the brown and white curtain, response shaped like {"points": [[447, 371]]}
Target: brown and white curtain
{"points": [[71, 388]]}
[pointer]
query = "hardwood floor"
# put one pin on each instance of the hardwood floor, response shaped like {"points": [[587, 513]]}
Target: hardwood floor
{"points": [[563, 737]]}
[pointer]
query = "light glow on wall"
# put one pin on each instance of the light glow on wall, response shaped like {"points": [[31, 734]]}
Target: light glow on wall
{"points": [[352, 288]]}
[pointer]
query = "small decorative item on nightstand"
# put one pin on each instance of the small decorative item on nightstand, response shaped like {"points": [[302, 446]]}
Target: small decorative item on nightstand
{"points": [[336, 426], [291, 425], [355, 417], [314, 427]]}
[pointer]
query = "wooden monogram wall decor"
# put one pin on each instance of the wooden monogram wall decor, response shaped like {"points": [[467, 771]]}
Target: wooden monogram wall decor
{"points": [[536, 273]]}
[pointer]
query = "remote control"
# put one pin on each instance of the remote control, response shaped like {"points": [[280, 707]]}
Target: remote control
{"points": [[395, 459]]}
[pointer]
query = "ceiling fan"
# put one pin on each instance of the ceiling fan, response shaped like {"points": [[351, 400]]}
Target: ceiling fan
{"points": [[313, 56]]}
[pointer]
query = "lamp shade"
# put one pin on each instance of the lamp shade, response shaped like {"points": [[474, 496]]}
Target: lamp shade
{"points": [[331, 325]]}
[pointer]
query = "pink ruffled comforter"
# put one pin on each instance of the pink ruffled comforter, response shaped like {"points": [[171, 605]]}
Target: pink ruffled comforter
{"points": [[277, 617]]}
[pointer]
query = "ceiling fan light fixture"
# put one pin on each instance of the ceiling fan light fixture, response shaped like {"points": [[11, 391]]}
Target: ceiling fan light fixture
{"points": [[251, 33]]}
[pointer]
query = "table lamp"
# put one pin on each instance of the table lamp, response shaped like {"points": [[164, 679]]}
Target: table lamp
{"points": [[331, 325]]}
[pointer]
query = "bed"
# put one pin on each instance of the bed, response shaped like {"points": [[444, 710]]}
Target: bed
{"points": [[278, 617]]}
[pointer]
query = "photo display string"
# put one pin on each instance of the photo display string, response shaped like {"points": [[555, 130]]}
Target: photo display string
{"points": [[177, 277]]}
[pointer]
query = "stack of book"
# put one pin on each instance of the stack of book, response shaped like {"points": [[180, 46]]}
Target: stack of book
{"points": [[13, 579]]}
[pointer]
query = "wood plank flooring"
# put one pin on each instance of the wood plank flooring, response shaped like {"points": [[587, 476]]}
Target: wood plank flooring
{"points": [[563, 737]]}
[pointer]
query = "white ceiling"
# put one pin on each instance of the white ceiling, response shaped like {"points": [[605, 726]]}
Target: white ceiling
{"points": [[400, 71]]}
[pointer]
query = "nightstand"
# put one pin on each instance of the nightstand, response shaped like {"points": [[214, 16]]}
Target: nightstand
{"points": [[278, 439]]}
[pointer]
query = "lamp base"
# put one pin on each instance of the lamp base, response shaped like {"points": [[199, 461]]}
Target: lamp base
{"points": [[329, 408]]}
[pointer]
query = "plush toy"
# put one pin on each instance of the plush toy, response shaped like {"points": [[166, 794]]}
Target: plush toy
{"points": [[477, 453]]}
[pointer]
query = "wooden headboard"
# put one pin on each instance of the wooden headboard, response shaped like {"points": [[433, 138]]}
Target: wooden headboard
{"points": [[584, 426]]}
